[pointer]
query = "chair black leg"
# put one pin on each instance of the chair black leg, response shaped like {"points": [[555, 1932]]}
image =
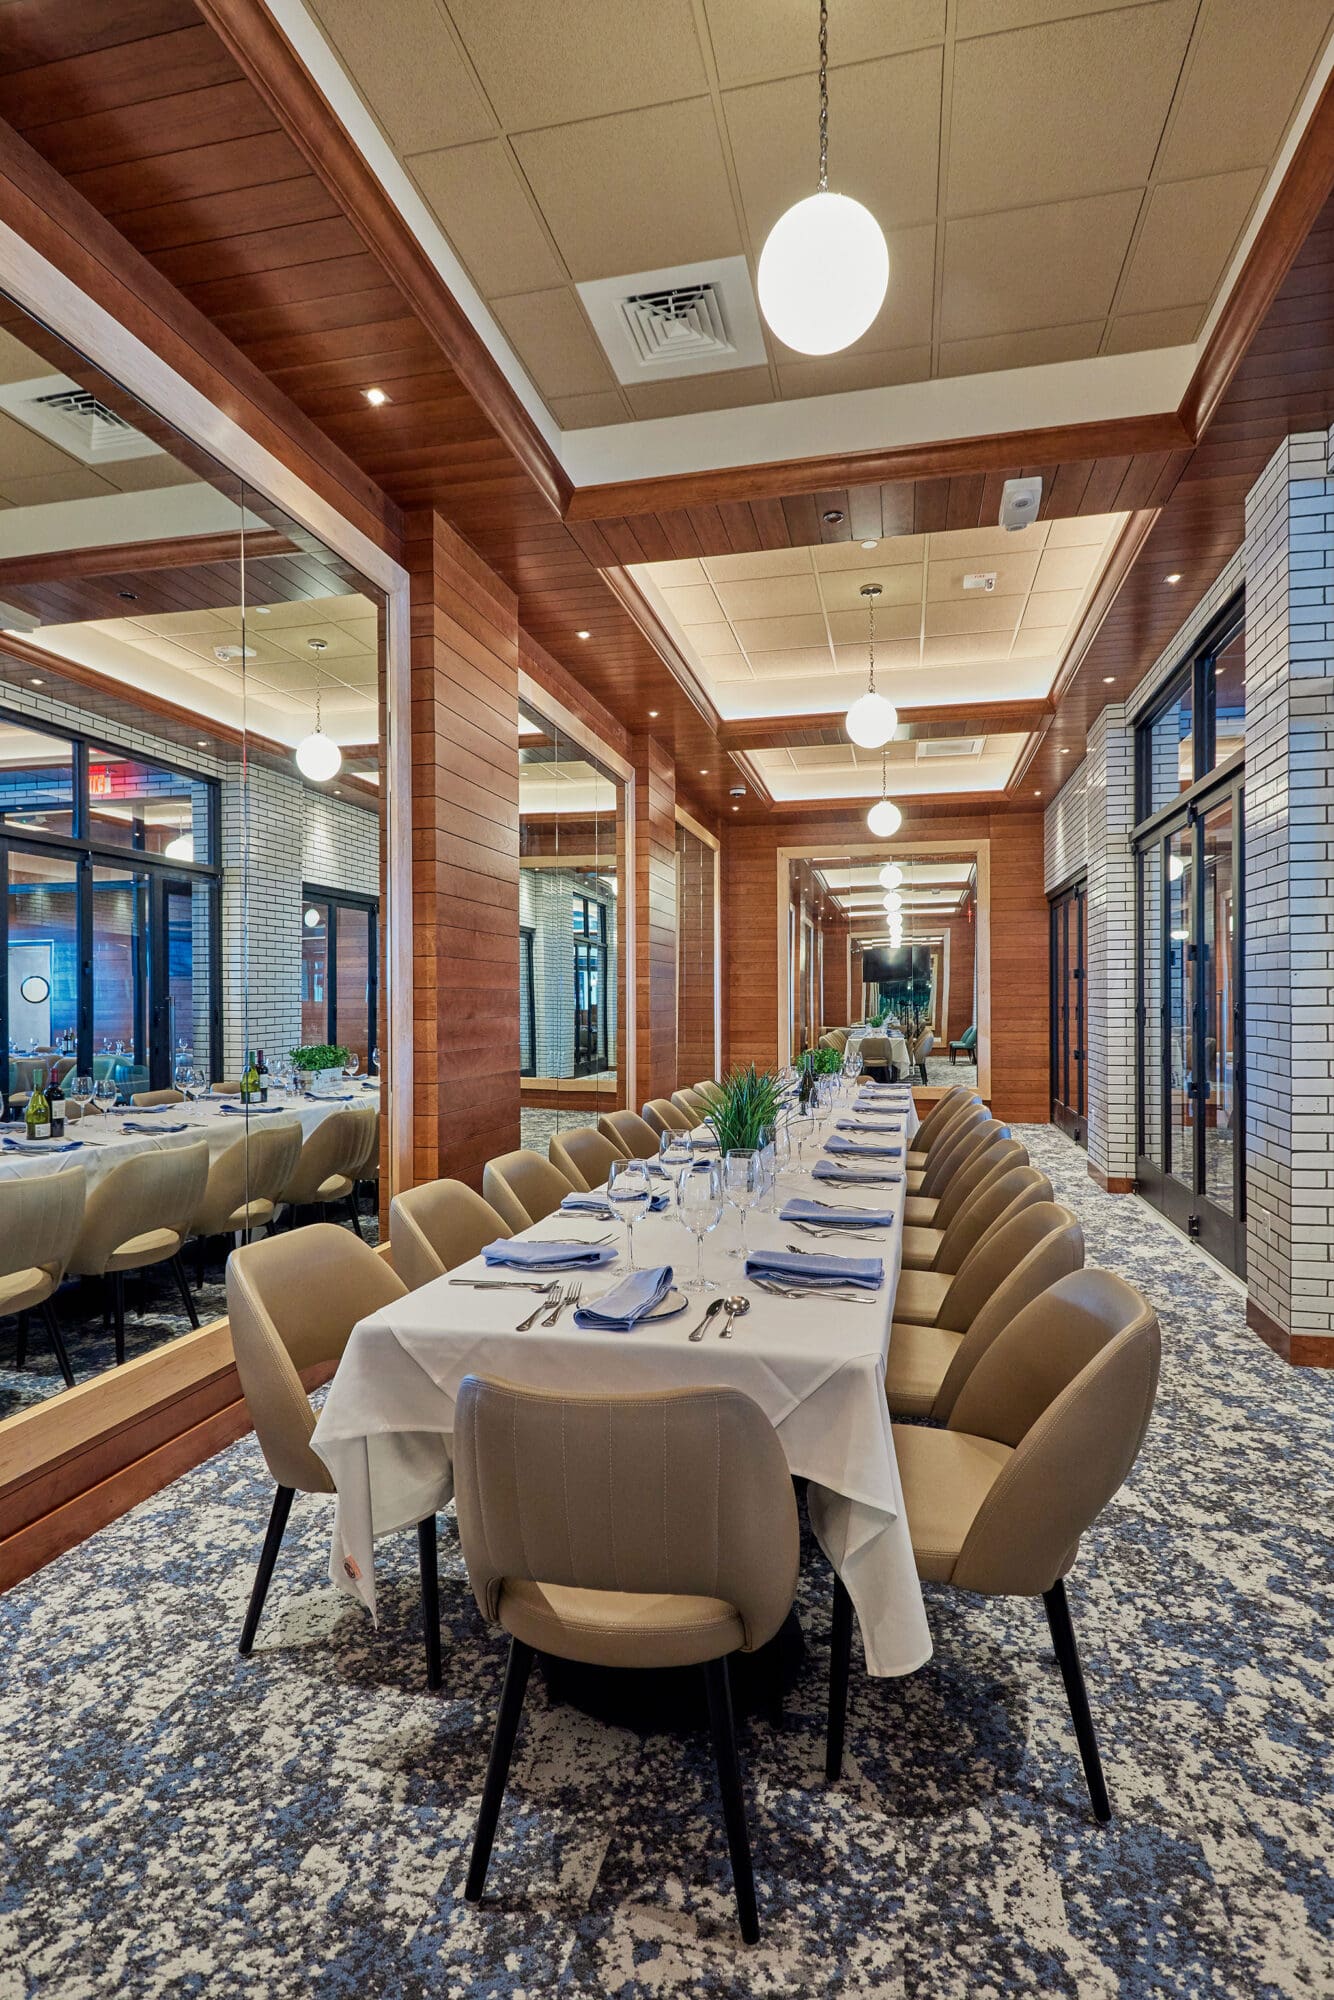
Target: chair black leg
{"points": [[426, 1556], [1067, 1653], [268, 1556], [356, 1219], [57, 1340], [517, 1670], [118, 1313], [183, 1285], [719, 1687], [200, 1261], [840, 1657]]}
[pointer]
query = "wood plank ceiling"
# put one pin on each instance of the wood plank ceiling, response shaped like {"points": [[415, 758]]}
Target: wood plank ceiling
{"points": [[144, 107]]}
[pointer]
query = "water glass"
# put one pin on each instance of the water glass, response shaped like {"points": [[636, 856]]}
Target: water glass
{"points": [[105, 1092], [699, 1201], [80, 1088], [352, 1064], [629, 1192], [675, 1152], [742, 1185], [801, 1122]]}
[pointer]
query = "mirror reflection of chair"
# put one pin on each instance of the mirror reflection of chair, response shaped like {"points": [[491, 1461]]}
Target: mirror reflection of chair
{"points": [[144, 1099], [325, 1172], [965, 1046], [523, 1188], [637, 1140], [368, 1167], [438, 1226], [921, 1049], [246, 1182], [661, 1115], [139, 1215], [292, 1302], [702, 1565], [40, 1219], [584, 1155]]}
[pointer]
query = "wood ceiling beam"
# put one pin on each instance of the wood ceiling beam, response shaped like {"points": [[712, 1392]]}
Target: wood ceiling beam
{"points": [[121, 558], [785, 732]]}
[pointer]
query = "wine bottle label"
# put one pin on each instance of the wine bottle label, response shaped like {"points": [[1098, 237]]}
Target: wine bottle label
{"points": [[39, 1131]]}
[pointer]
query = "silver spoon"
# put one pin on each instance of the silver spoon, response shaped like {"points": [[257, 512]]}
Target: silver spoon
{"points": [[737, 1308], [714, 1306]]}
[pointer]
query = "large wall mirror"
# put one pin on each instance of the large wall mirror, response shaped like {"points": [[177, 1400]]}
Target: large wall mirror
{"points": [[893, 939], [191, 890]]}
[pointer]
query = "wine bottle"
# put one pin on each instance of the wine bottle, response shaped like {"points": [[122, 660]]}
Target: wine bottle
{"points": [[250, 1080], [262, 1072], [37, 1117], [55, 1098]]}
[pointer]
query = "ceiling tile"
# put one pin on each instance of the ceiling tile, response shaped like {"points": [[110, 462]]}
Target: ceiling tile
{"points": [[798, 660], [831, 374], [1186, 240], [755, 40], [1037, 641], [552, 339], [25, 453], [1020, 350], [770, 635], [892, 621], [148, 475], [675, 575], [884, 125], [1129, 333], [1013, 573], [979, 613], [480, 203], [966, 649], [987, 17], [663, 196], [732, 388], [561, 60], [45, 489], [987, 542], [764, 562], [1246, 71], [693, 604], [1067, 569], [769, 597], [713, 642], [1051, 607], [900, 583], [1049, 266], [891, 549], [730, 667], [409, 69], [1072, 107], [1079, 531], [849, 659], [576, 413]]}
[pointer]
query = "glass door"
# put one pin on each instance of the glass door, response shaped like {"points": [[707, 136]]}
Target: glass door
{"points": [[1069, 984]]}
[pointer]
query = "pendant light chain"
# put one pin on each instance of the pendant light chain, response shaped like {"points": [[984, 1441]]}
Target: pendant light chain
{"points": [[824, 97], [871, 662]]}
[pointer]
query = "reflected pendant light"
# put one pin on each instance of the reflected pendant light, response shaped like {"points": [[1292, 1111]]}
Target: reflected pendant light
{"points": [[824, 271], [318, 757], [893, 903], [884, 818], [891, 876], [871, 720]]}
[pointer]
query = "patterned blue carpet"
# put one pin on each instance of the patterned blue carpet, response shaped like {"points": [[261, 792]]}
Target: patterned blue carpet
{"points": [[175, 1821]]}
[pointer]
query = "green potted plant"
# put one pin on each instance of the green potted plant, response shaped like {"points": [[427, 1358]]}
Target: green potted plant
{"points": [[823, 1062], [746, 1117], [318, 1068]]}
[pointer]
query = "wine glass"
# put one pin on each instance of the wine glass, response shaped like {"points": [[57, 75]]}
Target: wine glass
{"points": [[822, 1103], [699, 1201], [352, 1064], [629, 1192], [768, 1154], [105, 1093], [801, 1121], [743, 1184], [375, 1062], [675, 1152], [80, 1089]]}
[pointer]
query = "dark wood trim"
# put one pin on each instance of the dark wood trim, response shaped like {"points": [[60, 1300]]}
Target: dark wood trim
{"points": [[633, 600], [114, 559], [1303, 192], [256, 42], [1110, 1183], [1300, 1350]]}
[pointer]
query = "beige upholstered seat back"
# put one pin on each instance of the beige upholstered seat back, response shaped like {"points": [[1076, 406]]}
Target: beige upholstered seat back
{"points": [[435, 1227], [154, 1195], [627, 1130], [1002, 1250], [935, 1129], [523, 1188], [967, 1136], [249, 1174], [1070, 1384], [874, 1050], [1005, 1195], [684, 1492], [925, 1042], [144, 1098], [584, 1156], [996, 1157], [293, 1300], [368, 1166], [40, 1218], [329, 1159], [709, 1091], [661, 1115], [691, 1105]]}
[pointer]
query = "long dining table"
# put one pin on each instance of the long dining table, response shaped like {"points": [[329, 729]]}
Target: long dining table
{"points": [[814, 1364]]}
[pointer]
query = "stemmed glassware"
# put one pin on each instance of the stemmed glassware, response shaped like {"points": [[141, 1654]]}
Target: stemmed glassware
{"points": [[675, 1152], [822, 1103], [80, 1088], [105, 1092], [801, 1123], [699, 1201], [352, 1064], [743, 1184], [630, 1192]]}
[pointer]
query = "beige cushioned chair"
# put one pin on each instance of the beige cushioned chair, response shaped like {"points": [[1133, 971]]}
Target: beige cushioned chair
{"points": [[655, 1530], [926, 1217], [293, 1301], [1004, 1195], [1043, 1434], [928, 1363], [40, 1217], [438, 1226], [710, 1091], [523, 1188], [692, 1106], [661, 1115], [951, 1148], [144, 1098], [921, 1049], [938, 1116], [326, 1171], [627, 1130], [139, 1214], [950, 1298], [584, 1156], [246, 1182], [875, 1055]]}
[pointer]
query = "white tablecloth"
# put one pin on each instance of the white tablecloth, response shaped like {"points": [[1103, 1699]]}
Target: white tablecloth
{"points": [[815, 1366], [106, 1143]]}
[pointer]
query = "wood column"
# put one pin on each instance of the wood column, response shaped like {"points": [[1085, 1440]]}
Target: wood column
{"points": [[465, 855], [655, 919], [696, 1053]]}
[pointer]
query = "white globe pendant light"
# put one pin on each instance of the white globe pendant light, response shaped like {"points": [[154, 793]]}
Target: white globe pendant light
{"points": [[318, 757], [884, 819], [824, 270], [891, 876], [871, 721], [893, 903]]}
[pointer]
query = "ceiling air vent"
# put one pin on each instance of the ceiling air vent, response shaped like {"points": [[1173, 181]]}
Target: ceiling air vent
{"points": [[695, 320], [931, 747], [75, 419]]}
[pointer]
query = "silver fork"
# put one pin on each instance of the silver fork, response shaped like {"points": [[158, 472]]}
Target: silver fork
{"points": [[569, 1297], [813, 1292], [542, 1306], [853, 1235]]}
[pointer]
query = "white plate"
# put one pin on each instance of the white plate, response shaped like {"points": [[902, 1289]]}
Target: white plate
{"points": [[667, 1308]]}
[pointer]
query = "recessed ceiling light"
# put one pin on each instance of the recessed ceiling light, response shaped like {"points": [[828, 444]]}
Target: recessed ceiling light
{"points": [[1037, 792], [583, 635], [375, 397], [870, 545], [1107, 680], [130, 596], [703, 774], [736, 809], [1174, 578], [36, 683], [201, 743], [261, 610], [1064, 751], [653, 715]]}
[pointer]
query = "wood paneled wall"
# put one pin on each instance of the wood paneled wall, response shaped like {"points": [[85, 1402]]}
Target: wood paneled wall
{"points": [[963, 955], [465, 847], [696, 1055], [655, 918], [1020, 971]]}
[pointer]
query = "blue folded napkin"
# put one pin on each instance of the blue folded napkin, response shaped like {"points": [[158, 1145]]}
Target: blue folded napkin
{"points": [[617, 1310], [849, 1176], [42, 1145], [875, 1096], [258, 1110], [533, 1254], [137, 1125], [824, 1217], [885, 1122], [597, 1204], [818, 1271], [850, 1148]]}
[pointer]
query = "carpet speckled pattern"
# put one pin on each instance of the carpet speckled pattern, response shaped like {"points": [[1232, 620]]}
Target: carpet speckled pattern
{"points": [[177, 1821]]}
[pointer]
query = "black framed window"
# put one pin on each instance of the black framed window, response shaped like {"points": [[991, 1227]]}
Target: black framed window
{"points": [[590, 985], [527, 1003], [1198, 721], [340, 974], [1069, 1054]]}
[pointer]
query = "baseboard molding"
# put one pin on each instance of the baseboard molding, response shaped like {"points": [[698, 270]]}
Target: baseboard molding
{"points": [[1110, 1183], [1300, 1350]]}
